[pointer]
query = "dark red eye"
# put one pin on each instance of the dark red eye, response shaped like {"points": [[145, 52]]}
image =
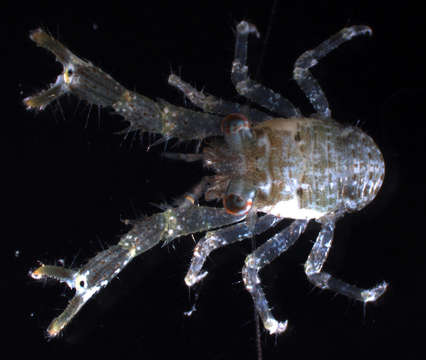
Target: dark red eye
{"points": [[237, 205], [233, 123]]}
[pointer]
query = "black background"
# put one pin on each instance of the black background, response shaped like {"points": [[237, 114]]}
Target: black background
{"points": [[70, 179]]}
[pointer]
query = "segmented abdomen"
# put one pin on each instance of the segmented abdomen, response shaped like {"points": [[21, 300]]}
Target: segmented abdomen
{"points": [[313, 167]]}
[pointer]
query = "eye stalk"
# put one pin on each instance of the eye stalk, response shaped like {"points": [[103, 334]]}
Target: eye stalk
{"points": [[239, 197], [237, 205], [236, 130], [234, 123]]}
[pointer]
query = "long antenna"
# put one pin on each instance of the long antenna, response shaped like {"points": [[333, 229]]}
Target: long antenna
{"points": [[266, 39]]}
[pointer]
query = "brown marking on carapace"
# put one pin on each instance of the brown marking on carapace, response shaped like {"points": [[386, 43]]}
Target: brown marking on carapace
{"points": [[297, 137], [127, 96]]}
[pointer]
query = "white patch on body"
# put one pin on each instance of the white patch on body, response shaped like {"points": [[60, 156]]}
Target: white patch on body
{"points": [[290, 209]]}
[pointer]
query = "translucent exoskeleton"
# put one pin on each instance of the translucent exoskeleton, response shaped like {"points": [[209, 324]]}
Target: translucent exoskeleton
{"points": [[268, 166]]}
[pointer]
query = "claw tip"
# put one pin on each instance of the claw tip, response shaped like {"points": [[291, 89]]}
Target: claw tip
{"points": [[53, 329], [37, 273]]}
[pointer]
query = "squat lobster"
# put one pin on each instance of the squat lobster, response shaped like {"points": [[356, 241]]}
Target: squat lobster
{"points": [[289, 166]]}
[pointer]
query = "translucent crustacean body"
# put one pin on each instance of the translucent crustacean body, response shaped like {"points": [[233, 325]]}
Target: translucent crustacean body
{"points": [[288, 166], [306, 168]]}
